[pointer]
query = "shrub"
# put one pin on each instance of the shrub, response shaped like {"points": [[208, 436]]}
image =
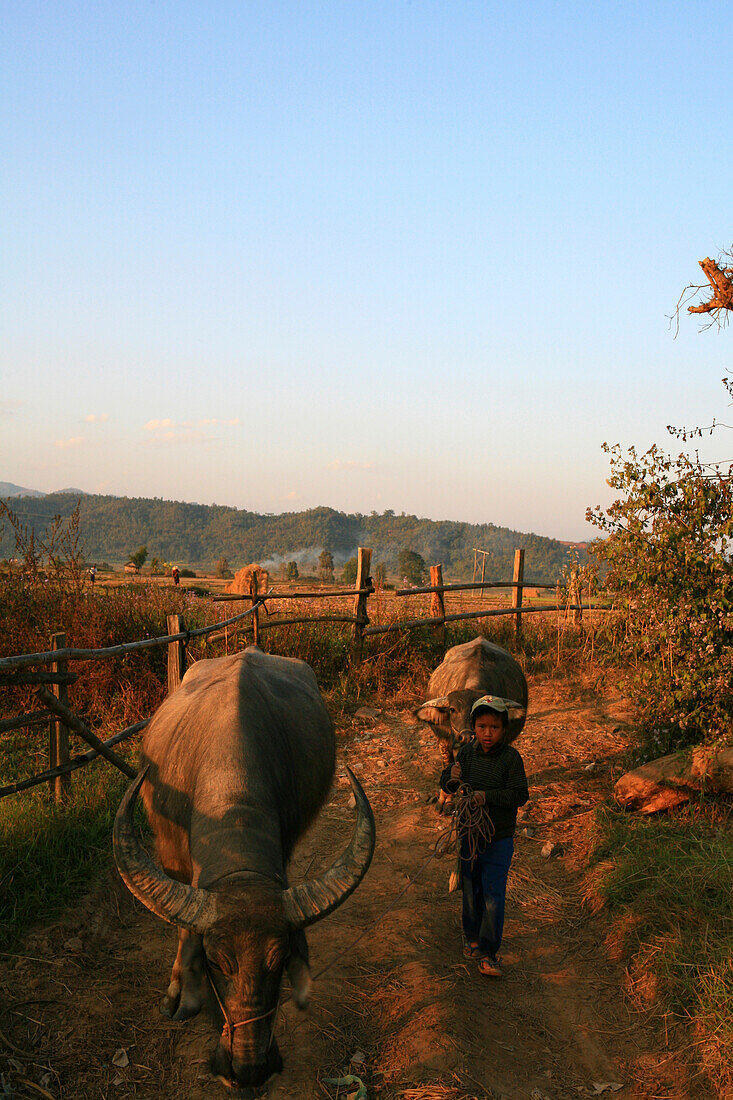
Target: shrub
{"points": [[667, 557]]}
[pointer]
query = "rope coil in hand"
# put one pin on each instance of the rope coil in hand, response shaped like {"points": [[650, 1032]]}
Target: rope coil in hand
{"points": [[471, 822]]}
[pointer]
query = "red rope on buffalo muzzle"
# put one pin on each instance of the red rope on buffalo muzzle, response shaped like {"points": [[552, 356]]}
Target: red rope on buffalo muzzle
{"points": [[229, 1027]]}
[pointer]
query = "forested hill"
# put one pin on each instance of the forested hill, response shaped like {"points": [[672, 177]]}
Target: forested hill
{"points": [[199, 535]]}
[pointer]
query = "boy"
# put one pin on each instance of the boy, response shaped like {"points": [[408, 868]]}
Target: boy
{"points": [[493, 771]]}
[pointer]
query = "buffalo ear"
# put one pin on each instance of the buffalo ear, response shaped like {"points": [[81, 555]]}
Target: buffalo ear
{"points": [[192, 983], [434, 710], [298, 969], [300, 979]]}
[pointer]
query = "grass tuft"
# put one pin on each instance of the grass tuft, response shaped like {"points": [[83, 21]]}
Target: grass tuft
{"points": [[667, 885], [50, 855]]}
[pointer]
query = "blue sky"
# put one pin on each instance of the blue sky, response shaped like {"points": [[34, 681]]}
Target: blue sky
{"points": [[416, 256]]}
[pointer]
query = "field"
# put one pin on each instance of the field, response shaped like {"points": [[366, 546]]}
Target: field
{"points": [[576, 1013]]}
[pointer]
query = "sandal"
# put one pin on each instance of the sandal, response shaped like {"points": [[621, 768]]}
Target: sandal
{"points": [[489, 967], [473, 951]]}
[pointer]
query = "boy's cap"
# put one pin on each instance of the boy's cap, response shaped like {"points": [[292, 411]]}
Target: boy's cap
{"points": [[495, 702]]}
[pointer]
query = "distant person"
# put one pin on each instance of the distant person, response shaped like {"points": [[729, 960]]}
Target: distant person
{"points": [[176, 574], [92, 575], [490, 773]]}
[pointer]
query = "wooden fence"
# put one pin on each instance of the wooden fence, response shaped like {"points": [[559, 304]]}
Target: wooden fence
{"points": [[52, 685]]}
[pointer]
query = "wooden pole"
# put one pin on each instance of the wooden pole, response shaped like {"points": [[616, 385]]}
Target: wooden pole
{"points": [[483, 573], [176, 653], [76, 724], [437, 602], [575, 597], [363, 581], [253, 588], [517, 592], [58, 745]]}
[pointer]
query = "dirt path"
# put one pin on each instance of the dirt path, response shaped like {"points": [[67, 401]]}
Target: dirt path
{"points": [[416, 1016]]}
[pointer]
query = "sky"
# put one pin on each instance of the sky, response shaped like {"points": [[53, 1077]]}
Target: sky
{"points": [[417, 256]]}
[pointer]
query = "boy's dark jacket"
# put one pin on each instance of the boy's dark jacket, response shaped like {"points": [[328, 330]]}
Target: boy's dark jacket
{"points": [[500, 773]]}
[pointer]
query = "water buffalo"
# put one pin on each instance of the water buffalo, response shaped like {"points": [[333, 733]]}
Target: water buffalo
{"points": [[468, 671], [236, 764]]}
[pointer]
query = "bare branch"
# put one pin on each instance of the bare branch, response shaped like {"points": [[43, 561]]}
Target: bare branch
{"points": [[720, 279]]}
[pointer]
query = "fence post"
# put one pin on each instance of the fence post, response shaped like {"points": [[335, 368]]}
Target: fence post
{"points": [[176, 653], [363, 580], [517, 591], [437, 602], [575, 597], [58, 744], [253, 589]]}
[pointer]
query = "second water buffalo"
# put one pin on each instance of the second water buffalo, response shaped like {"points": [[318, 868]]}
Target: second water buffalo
{"points": [[469, 671]]}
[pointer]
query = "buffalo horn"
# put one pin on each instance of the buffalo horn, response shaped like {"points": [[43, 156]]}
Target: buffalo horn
{"points": [[173, 901], [308, 902]]}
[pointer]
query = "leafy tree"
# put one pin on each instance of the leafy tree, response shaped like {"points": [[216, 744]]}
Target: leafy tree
{"points": [[291, 571], [156, 566], [222, 569], [349, 573], [325, 565], [139, 557], [668, 559], [411, 565]]}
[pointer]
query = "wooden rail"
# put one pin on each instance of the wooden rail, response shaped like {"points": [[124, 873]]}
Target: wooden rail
{"points": [[48, 657], [435, 620], [268, 596], [469, 587], [74, 763]]}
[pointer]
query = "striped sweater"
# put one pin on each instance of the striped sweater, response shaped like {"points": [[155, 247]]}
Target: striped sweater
{"points": [[500, 773]]}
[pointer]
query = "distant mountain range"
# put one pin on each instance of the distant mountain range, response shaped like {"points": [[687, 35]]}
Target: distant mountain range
{"points": [[199, 535], [7, 489]]}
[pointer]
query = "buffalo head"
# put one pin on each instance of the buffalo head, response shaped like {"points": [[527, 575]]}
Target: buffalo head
{"points": [[449, 717], [239, 936]]}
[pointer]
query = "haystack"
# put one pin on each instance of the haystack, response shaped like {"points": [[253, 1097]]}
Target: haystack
{"points": [[241, 583]]}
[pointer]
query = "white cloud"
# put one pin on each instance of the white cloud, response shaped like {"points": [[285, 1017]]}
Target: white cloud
{"points": [[180, 435], [96, 418], [339, 464], [292, 495], [75, 441], [168, 426]]}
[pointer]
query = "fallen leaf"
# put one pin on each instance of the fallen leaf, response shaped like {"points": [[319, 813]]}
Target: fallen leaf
{"points": [[350, 1079]]}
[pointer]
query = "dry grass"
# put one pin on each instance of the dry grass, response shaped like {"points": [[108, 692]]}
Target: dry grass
{"points": [[525, 888], [667, 887], [436, 1092]]}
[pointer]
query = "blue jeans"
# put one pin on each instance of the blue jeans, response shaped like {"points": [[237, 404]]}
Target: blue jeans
{"points": [[484, 892]]}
